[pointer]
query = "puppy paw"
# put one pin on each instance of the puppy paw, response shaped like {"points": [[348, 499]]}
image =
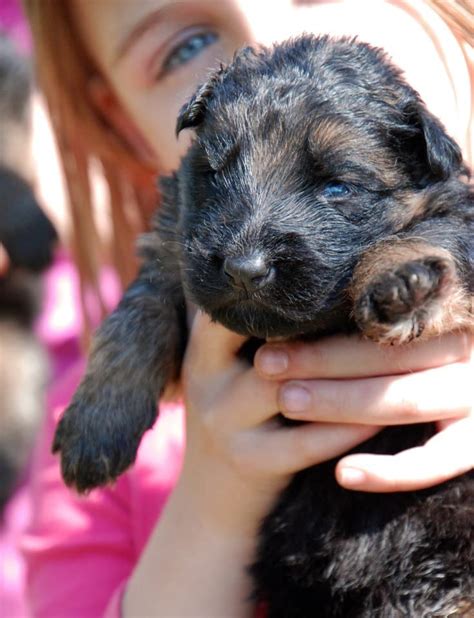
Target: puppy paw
{"points": [[397, 306], [98, 440]]}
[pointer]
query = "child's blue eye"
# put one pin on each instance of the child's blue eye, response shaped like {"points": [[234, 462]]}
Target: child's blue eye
{"points": [[190, 48], [336, 189]]}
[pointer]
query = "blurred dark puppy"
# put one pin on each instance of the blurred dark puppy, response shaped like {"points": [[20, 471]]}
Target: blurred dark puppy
{"points": [[27, 237], [319, 196]]}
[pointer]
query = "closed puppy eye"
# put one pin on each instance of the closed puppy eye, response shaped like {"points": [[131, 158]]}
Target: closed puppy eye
{"points": [[336, 189]]}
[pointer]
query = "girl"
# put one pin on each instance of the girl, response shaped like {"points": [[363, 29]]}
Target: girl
{"points": [[115, 74]]}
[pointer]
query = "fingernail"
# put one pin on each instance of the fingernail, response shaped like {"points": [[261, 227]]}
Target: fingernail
{"points": [[294, 399], [352, 476], [273, 362]]}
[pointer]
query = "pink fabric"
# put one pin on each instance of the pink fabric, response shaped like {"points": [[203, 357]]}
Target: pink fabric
{"points": [[60, 324], [80, 551], [13, 22], [12, 567], [114, 607]]}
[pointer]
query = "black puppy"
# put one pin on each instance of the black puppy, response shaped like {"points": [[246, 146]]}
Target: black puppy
{"points": [[319, 196]]}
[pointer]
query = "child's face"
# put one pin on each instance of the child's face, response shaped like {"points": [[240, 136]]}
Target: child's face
{"points": [[155, 52]]}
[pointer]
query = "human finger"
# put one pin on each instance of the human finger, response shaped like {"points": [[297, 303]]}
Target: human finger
{"points": [[353, 357], [286, 450], [234, 400], [440, 393], [446, 455], [211, 347]]}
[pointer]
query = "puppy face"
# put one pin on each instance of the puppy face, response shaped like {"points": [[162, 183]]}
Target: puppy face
{"points": [[305, 156], [297, 168]]}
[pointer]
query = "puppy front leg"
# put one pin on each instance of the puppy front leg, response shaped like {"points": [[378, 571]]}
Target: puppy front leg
{"points": [[135, 353], [406, 288]]}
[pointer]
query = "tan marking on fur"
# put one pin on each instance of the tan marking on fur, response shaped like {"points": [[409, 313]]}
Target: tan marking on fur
{"points": [[412, 206], [388, 255], [419, 204], [465, 609], [335, 137], [453, 310]]}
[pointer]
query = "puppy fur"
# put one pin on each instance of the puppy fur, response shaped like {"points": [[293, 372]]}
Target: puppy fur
{"points": [[319, 196]]}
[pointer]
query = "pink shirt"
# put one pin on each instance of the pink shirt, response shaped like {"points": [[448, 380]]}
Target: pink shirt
{"points": [[79, 551]]}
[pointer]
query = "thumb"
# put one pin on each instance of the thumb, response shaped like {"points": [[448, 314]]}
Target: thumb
{"points": [[211, 346]]}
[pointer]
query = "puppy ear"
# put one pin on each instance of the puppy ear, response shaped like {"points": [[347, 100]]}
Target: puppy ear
{"points": [[440, 155], [192, 113]]}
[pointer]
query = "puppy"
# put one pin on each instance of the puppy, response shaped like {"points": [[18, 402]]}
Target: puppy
{"points": [[318, 197]]}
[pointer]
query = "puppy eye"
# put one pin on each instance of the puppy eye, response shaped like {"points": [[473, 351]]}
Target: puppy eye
{"points": [[336, 189]]}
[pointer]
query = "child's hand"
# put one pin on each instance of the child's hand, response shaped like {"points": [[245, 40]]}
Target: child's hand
{"points": [[238, 458], [347, 380]]}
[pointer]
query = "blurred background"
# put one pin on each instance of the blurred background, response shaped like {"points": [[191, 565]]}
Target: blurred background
{"points": [[39, 321], [27, 244]]}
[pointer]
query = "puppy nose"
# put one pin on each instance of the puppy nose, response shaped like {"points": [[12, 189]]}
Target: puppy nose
{"points": [[250, 272]]}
